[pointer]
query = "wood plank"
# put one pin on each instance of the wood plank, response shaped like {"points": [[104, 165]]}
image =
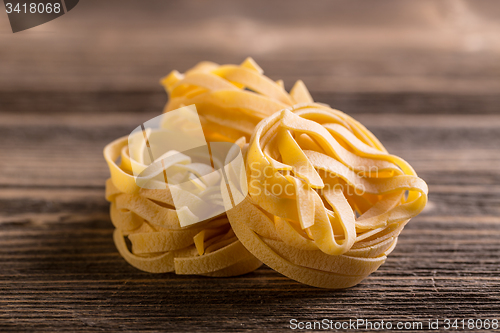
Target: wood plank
{"points": [[40, 149], [23, 205], [153, 99]]}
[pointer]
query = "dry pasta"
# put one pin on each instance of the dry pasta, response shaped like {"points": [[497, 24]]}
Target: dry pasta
{"points": [[327, 201], [230, 99], [159, 244], [147, 217]]}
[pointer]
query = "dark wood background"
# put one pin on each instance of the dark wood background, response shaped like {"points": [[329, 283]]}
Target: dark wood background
{"points": [[423, 76]]}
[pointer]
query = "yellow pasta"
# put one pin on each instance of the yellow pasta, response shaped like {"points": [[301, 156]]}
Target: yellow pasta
{"points": [[159, 243], [329, 200], [326, 200], [230, 99]]}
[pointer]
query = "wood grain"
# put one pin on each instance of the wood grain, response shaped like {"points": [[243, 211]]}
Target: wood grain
{"points": [[60, 269], [425, 81]]}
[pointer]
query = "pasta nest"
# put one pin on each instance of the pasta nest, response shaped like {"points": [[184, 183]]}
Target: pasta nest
{"points": [[148, 219], [230, 99], [327, 202]]}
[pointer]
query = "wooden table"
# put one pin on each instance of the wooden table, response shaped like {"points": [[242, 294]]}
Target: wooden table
{"points": [[71, 86]]}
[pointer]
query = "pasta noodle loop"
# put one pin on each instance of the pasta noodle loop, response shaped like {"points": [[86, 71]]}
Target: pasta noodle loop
{"points": [[336, 198], [230, 99], [159, 244], [326, 201]]}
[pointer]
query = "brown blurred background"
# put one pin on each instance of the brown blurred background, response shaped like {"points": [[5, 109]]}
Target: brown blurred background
{"points": [[334, 46]]}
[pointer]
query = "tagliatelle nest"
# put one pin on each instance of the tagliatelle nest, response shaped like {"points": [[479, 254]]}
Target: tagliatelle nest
{"points": [[159, 244], [231, 100], [326, 201], [310, 170]]}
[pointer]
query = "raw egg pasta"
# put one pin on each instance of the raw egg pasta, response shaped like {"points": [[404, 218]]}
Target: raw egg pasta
{"points": [[148, 219], [231, 100], [327, 201]]}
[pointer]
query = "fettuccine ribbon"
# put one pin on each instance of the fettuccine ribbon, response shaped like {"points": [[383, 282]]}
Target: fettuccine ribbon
{"points": [[147, 217], [326, 200], [230, 99], [311, 171]]}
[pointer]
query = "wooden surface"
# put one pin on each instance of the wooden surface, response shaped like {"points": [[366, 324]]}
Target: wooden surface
{"points": [[425, 81]]}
